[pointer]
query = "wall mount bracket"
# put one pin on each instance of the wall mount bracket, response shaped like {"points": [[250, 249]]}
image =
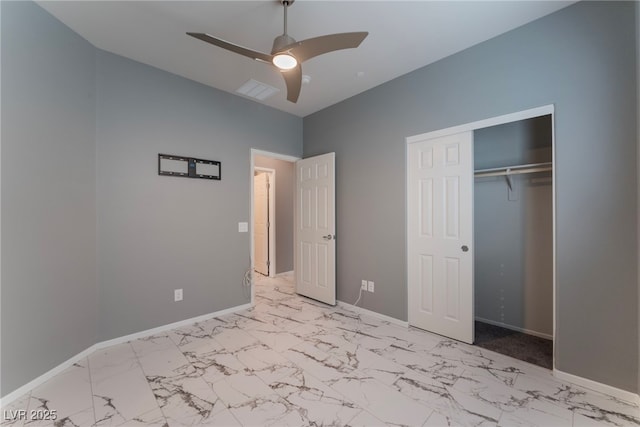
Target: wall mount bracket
{"points": [[189, 167]]}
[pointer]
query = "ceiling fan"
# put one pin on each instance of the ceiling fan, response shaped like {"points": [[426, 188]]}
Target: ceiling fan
{"points": [[288, 54]]}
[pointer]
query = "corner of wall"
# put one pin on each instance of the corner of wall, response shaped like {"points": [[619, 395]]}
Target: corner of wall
{"points": [[637, 6], [52, 210]]}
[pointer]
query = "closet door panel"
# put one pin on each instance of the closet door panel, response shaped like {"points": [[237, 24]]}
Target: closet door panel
{"points": [[426, 207], [426, 284], [452, 280], [439, 235], [452, 207]]}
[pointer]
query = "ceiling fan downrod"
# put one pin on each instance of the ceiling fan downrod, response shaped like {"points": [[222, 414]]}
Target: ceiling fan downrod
{"points": [[285, 3], [285, 39]]}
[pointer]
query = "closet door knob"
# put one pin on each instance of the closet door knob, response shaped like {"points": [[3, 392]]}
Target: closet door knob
{"points": [[465, 248]]}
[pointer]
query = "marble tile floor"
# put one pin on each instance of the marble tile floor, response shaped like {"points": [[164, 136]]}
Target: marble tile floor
{"points": [[290, 361]]}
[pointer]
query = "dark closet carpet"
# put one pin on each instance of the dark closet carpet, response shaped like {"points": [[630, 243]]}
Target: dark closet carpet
{"points": [[536, 350]]}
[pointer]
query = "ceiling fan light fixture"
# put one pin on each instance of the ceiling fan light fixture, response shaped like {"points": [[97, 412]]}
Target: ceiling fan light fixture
{"points": [[284, 61], [288, 55]]}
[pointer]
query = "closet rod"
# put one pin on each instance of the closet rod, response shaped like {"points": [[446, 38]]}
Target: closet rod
{"points": [[515, 170]]}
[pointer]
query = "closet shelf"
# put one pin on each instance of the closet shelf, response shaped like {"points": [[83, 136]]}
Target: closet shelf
{"points": [[515, 170], [507, 171]]}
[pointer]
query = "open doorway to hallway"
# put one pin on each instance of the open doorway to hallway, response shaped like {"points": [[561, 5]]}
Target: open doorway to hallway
{"points": [[264, 224], [272, 212]]}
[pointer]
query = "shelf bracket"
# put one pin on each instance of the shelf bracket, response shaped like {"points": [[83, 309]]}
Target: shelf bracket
{"points": [[507, 176]]}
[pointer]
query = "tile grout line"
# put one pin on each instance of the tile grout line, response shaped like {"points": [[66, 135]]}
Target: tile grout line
{"points": [[305, 341], [346, 398], [135, 354], [93, 401], [210, 385]]}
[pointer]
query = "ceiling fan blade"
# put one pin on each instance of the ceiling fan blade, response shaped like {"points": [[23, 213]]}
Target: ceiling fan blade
{"points": [[233, 47], [309, 48], [293, 80]]}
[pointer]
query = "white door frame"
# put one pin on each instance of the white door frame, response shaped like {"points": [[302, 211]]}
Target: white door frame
{"points": [[272, 217], [257, 152], [480, 124]]}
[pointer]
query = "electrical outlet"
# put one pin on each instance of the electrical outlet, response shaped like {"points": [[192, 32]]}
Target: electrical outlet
{"points": [[370, 286], [364, 285], [177, 294]]}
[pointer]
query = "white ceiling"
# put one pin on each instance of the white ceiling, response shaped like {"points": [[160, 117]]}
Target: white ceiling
{"points": [[403, 36]]}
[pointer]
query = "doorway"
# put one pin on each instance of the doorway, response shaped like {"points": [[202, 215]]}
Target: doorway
{"points": [[277, 254], [441, 292], [264, 224], [513, 233]]}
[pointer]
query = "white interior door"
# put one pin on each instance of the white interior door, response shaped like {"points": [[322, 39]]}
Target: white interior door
{"points": [[261, 223], [439, 235], [315, 254]]}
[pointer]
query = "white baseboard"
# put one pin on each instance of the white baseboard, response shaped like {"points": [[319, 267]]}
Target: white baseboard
{"points": [[627, 396], [21, 391], [10, 397], [515, 328], [373, 314], [169, 326]]}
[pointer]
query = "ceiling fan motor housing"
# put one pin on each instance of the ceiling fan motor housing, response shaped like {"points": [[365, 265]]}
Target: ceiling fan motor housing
{"points": [[280, 42]]}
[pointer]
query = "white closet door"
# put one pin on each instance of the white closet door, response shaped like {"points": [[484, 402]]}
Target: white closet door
{"points": [[439, 234]]}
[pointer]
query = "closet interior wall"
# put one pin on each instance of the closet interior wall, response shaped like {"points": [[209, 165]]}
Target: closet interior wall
{"points": [[513, 241]]}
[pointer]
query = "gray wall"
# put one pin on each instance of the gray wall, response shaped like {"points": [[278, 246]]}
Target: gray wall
{"points": [[582, 59], [638, 143], [159, 233], [49, 294], [92, 249], [284, 210], [513, 236]]}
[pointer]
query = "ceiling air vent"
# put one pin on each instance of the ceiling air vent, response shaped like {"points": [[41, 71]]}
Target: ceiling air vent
{"points": [[257, 90]]}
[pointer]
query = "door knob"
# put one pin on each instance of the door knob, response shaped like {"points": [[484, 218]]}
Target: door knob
{"points": [[327, 237], [464, 248]]}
